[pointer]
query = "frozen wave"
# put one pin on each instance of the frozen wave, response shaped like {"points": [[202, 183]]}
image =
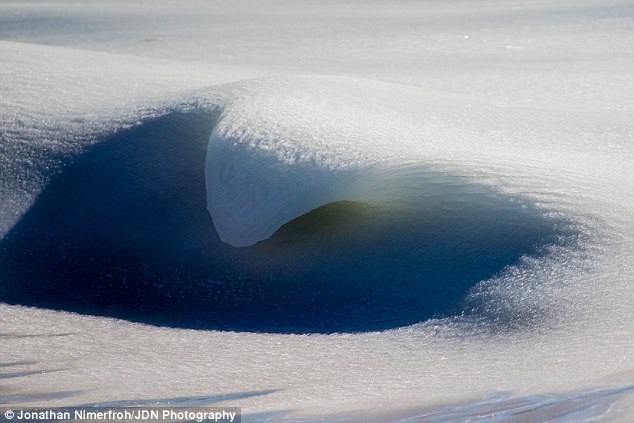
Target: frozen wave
{"points": [[543, 118], [122, 230]]}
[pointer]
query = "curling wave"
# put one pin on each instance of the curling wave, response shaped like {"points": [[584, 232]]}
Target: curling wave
{"points": [[123, 231]]}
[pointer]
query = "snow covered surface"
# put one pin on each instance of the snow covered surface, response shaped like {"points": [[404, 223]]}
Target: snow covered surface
{"points": [[533, 99]]}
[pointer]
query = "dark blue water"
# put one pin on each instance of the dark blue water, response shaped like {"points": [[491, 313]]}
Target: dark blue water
{"points": [[123, 231]]}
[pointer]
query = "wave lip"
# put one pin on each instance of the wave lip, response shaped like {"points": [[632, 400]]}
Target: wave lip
{"points": [[283, 147]]}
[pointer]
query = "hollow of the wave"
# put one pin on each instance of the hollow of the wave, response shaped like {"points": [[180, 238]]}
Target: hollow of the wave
{"points": [[124, 231]]}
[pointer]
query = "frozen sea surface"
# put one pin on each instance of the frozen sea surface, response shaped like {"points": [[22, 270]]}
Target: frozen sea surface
{"points": [[319, 211]]}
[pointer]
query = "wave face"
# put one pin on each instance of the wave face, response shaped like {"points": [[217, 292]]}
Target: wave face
{"points": [[123, 231]]}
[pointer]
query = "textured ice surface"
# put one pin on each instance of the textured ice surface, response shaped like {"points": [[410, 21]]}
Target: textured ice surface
{"points": [[284, 146], [529, 99]]}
